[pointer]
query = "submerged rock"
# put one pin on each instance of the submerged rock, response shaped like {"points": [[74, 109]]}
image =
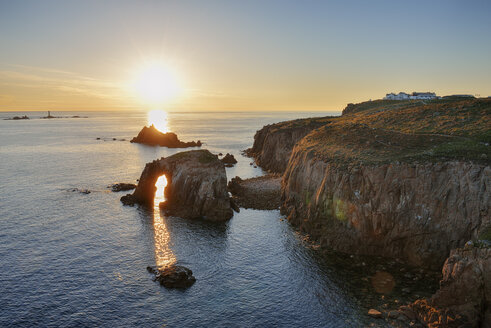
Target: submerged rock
{"points": [[117, 187], [196, 186], [153, 137], [82, 191], [174, 276]]}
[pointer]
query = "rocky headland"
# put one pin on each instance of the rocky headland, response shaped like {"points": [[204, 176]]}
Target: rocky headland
{"points": [[196, 186], [153, 137], [408, 180]]}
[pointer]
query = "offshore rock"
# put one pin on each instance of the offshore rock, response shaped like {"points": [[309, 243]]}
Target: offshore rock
{"points": [[117, 187], [196, 186], [153, 137], [174, 276], [229, 159]]}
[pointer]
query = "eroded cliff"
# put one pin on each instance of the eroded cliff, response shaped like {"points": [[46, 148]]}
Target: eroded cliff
{"points": [[401, 179], [273, 144], [415, 212], [408, 180]]}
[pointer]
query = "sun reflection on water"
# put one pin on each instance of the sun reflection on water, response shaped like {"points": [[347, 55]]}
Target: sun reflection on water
{"points": [[163, 253], [159, 119]]}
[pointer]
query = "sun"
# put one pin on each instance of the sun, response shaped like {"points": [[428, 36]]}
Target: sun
{"points": [[156, 84]]}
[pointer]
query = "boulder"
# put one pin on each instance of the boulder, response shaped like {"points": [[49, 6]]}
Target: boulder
{"points": [[229, 159], [375, 313], [173, 276], [196, 186], [153, 137]]}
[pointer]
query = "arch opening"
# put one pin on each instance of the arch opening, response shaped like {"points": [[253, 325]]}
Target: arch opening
{"points": [[159, 197]]}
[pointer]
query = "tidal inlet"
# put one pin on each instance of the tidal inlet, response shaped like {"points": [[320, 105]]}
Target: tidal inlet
{"points": [[245, 164]]}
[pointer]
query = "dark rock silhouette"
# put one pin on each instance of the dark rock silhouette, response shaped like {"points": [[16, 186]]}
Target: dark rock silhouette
{"points": [[173, 276], [117, 187], [82, 191], [153, 137], [196, 186], [15, 118], [229, 159]]}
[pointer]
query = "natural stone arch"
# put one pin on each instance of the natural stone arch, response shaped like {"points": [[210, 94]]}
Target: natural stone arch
{"points": [[144, 193], [196, 186]]}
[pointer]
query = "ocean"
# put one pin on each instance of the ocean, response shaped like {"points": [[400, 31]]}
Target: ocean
{"points": [[70, 259]]}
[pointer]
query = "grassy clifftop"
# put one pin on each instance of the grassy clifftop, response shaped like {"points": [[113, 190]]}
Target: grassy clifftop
{"points": [[410, 131]]}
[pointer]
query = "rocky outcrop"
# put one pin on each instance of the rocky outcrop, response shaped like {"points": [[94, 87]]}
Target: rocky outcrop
{"points": [[464, 297], [174, 276], [196, 186], [416, 212], [261, 193], [273, 144], [229, 159], [117, 187], [153, 137], [15, 118]]}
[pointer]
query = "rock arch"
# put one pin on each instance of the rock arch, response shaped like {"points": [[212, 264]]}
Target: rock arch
{"points": [[196, 186]]}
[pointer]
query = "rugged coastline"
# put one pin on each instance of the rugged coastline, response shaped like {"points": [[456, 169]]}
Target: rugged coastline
{"points": [[405, 180]]}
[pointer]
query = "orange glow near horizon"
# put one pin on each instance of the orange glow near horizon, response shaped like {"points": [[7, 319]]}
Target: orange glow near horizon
{"points": [[159, 119], [163, 253]]}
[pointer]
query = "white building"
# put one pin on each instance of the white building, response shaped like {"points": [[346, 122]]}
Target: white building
{"points": [[423, 95], [399, 96], [414, 95]]}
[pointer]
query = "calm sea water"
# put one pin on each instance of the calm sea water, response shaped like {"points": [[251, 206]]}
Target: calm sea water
{"points": [[71, 259]]}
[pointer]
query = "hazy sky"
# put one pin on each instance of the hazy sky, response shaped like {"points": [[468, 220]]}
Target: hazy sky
{"points": [[240, 55]]}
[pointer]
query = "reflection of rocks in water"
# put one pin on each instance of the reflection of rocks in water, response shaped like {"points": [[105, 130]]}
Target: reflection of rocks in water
{"points": [[173, 276], [383, 282]]}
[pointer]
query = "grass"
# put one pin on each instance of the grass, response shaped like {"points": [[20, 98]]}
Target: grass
{"points": [[408, 131], [202, 155]]}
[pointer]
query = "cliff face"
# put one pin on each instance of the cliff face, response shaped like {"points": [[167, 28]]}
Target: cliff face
{"points": [[196, 186], [416, 212], [273, 144], [464, 297], [407, 180]]}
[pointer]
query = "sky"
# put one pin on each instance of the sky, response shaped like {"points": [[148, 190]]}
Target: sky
{"points": [[239, 55]]}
